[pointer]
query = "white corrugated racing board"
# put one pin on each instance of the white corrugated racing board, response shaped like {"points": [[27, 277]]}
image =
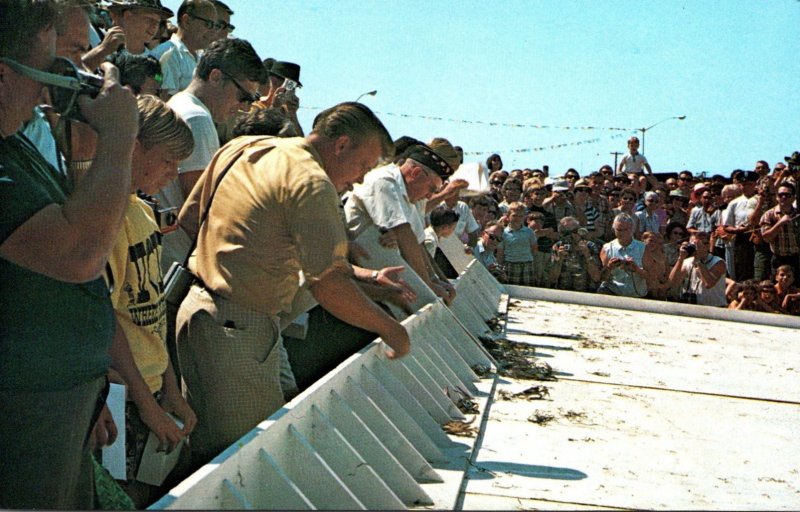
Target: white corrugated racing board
{"points": [[366, 436]]}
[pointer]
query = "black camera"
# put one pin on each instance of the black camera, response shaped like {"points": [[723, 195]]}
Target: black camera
{"points": [[166, 218], [75, 83], [690, 249], [688, 298]]}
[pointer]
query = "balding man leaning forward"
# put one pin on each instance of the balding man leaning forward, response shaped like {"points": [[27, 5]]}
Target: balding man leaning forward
{"points": [[273, 227]]}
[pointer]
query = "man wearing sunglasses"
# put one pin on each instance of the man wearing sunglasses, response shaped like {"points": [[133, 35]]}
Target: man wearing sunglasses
{"points": [[486, 249], [780, 228], [55, 312], [197, 28], [224, 83]]}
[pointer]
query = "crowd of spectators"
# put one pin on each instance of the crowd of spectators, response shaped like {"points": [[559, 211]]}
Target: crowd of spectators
{"points": [[680, 237], [182, 146]]}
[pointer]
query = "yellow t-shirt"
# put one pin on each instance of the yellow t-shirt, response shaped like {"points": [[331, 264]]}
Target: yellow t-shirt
{"points": [[138, 291], [275, 213]]}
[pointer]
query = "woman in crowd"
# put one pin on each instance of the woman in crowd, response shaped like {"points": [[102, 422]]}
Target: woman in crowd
{"points": [[626, 205], [622, 259]]}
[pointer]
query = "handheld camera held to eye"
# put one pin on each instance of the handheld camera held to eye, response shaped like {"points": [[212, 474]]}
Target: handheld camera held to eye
{"points": [[65, 83]]}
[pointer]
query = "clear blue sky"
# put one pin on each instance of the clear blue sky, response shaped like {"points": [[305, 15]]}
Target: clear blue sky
{"points": [[730, 66]]}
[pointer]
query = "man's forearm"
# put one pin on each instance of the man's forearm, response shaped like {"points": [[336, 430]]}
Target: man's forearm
{"points": [[340, 296]]}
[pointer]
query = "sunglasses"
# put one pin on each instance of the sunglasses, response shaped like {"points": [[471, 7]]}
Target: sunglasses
{"points": [[244, 94], [210, 24], [494, 237], [572, 177], [784, 194], [223, 25]]}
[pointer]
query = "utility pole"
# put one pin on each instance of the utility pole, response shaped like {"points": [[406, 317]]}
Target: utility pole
{"points": [[616, 155]]}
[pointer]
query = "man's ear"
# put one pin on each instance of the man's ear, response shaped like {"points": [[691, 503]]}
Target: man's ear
{"points": [[215, 76], [342, 142]]}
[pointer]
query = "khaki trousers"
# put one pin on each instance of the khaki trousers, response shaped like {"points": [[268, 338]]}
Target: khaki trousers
{"points": [[230, 361]]}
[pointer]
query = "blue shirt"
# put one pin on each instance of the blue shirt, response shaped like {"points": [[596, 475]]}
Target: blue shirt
{"points": [[517, 244]]}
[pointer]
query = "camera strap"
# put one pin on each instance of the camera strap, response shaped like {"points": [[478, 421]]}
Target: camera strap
{"points": [[208, 206], [44, 77]]}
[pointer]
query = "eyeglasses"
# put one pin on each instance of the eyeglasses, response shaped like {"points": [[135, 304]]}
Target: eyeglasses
{"points": [[571, 177], [493, 237], [497, 182], [245, 96], [784, 194], [224, 25], [210, 24]]}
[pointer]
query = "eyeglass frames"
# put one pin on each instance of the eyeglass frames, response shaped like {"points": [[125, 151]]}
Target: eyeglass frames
{"points": [[244, 94]]}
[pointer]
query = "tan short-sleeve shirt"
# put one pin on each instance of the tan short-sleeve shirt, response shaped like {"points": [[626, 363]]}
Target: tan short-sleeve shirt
{"points": [[275, 213]]}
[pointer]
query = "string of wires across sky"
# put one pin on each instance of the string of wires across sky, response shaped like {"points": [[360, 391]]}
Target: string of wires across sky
{"points": [[628, 131]]}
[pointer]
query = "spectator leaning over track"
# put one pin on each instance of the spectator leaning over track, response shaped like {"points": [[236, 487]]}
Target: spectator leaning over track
{"points": [[57, 320], [702, 273], [622, 261], [388, 200], [274, 214]]}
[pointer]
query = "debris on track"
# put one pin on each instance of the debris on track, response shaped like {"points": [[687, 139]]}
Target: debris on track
{"points": [[538, 392], [461, 428]]}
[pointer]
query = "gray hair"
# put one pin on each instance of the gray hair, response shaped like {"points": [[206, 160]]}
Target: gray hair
{"points": [[623, 218]]}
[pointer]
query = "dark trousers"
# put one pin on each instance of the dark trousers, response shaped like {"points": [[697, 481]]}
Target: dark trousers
{"points": [[762, 256], [44, 447], [743, 257]]}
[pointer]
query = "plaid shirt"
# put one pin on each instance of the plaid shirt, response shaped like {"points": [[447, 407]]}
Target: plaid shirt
{"points": [[787, 241]]}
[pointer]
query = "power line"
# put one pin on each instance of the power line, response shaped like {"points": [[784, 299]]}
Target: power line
{"points": [[493, 123]]}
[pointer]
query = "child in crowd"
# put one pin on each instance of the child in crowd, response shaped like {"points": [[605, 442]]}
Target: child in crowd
{"points": [[443, 224], [788, 294], [518, 248], [747, 297]]}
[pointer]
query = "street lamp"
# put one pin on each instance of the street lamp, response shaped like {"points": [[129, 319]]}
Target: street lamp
{"points": [[370, 93], [644, 130]]}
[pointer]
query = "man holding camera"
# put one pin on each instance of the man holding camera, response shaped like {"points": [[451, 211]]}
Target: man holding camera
{"points": [[701, 272], [55, 312]]}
